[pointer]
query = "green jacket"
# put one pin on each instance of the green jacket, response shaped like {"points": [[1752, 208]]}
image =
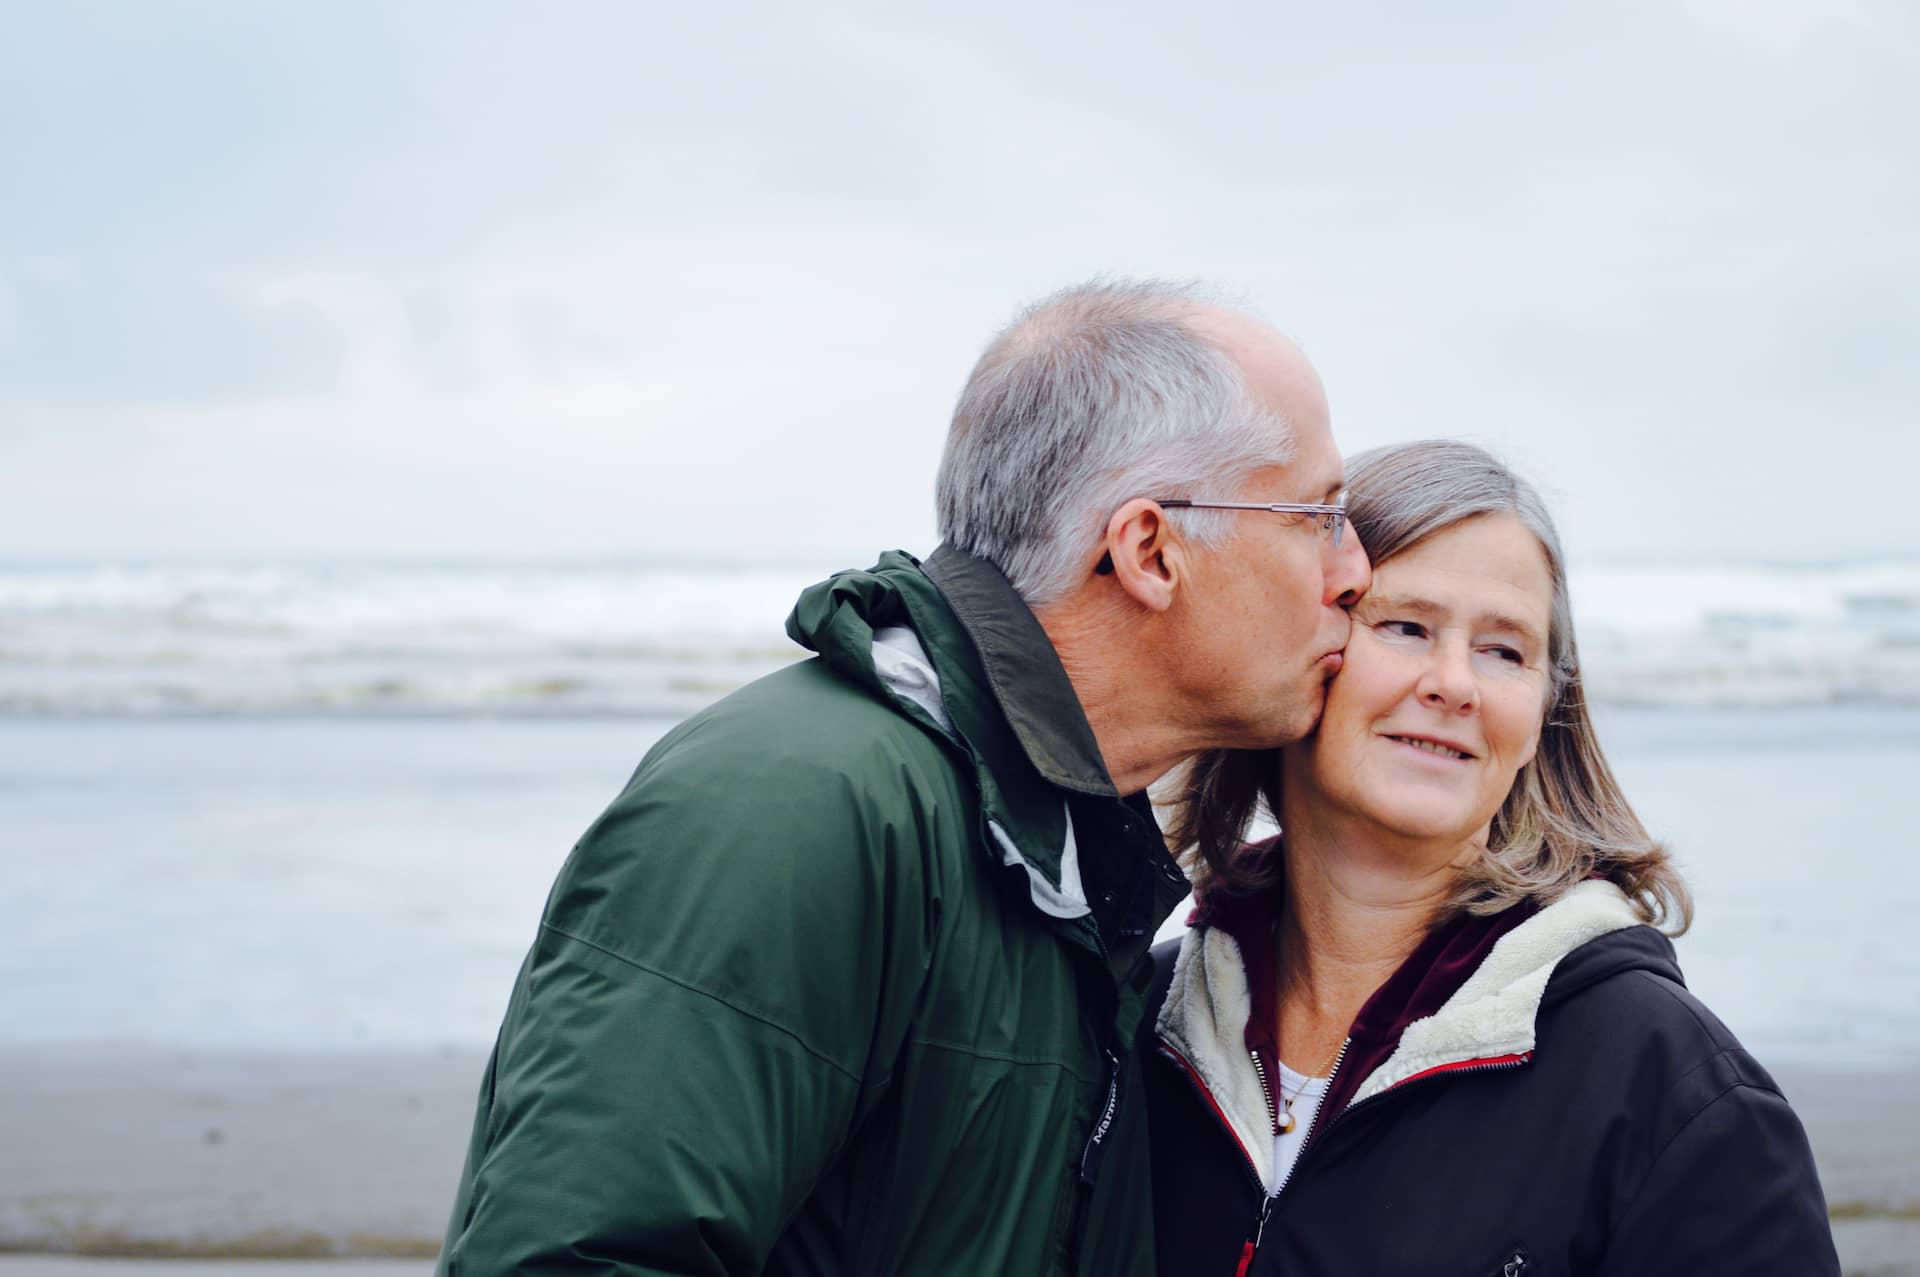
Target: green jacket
{"points": [[830, 988]]}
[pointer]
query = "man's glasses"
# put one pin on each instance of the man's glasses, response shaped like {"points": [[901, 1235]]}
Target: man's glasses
{"points": [[1333, 518]]}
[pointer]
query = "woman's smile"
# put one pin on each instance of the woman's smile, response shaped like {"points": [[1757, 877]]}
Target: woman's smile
{"points": [[1439, 702], [1431, 747]]}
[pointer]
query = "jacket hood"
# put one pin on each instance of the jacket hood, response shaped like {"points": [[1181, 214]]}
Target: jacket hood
{"points": [[1468, 997], [837, 617], [892, 630], [1636, 948]]}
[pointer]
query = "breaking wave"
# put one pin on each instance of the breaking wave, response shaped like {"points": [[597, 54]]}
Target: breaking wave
{"points": [[623, 639]]}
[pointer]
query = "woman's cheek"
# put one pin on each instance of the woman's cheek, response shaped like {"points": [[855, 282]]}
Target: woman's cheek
{"points": [[1515, 717]]}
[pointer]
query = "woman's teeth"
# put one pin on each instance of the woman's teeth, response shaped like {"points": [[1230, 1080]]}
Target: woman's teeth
{"points": [[1431, 747]]}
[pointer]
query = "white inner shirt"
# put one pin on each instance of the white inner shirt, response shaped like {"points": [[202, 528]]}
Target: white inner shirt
{"points": [[1307, 1103]]}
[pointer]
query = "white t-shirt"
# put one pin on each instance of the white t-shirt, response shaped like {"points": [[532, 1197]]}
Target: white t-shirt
{"points": [[1286, 1147]]}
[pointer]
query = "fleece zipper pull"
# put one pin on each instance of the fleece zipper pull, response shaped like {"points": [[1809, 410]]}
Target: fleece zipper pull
{"points": [[1252, 1244], [1096, 1142]]}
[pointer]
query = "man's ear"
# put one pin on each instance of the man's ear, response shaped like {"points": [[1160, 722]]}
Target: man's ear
{"points": [[1143, 555]]}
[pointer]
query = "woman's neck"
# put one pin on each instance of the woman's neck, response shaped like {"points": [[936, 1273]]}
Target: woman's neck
{"points": [[1355, 905]]}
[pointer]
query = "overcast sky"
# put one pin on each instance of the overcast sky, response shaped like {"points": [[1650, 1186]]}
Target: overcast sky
{"points": [[702, 281]]}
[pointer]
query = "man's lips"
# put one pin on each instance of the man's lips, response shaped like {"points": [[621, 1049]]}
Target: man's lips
{"points": [[1330, 663]]}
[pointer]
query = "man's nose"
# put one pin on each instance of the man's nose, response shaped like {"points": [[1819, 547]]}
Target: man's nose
{"points": [[1348, 573]]}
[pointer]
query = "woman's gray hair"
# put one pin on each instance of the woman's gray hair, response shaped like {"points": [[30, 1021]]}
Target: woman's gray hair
{"points": [[1564, 820], [1091, 397]]}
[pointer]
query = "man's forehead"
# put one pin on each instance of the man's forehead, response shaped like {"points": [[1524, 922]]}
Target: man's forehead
{"points": [[1279, 374], [1317, 464]]}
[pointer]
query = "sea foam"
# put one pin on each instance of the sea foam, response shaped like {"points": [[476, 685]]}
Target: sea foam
{"points": [[638, 640]]}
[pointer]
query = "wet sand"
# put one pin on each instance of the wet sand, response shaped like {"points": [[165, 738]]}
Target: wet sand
{"points": [[117, 1151], [126, 1161]]}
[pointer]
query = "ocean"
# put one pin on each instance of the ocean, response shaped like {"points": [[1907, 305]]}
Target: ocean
{"points": [[340, 884], [298, 806]]}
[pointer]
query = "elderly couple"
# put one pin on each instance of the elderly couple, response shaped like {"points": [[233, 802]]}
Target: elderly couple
{"points": [[857, 975]]}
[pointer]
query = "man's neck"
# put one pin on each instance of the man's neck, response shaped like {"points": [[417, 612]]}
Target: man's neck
{"points": [[1139, 736]]}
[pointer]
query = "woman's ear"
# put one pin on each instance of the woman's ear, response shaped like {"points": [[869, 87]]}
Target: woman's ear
{"points": [[1143, 554]]}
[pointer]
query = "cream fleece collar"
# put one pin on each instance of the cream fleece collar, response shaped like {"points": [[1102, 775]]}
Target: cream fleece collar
{"points": [[1204, 1018]]}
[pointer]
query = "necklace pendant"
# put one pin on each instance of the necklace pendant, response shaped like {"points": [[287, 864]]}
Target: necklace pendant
{"points": [[1286, 1123]]}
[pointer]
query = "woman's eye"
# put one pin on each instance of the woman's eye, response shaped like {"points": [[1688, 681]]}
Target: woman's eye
{"points": [[1405, 629], [1508, 654]]}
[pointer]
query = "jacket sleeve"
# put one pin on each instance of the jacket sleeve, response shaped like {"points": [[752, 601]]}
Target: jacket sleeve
{"points": [[1733, 1191], [725, 970]]}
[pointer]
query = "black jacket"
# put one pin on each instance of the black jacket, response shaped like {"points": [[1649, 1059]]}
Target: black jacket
{"points": [[1624, 1133]]}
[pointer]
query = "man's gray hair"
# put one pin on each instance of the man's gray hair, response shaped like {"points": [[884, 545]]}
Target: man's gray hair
{"points": [[1091, 397]]}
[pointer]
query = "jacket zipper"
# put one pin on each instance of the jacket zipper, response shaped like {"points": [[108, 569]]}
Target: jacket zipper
{"points": [[1266, 1091], [1306, 1139], [1246, 1157], [1096, 1140], [1251, 1246]]}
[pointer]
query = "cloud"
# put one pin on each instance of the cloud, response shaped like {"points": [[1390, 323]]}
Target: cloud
{"points": [[1788, 31], [709, 282]]}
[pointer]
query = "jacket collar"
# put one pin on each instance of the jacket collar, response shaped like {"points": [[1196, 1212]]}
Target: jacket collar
{"points": [[893, 630], [1024, 672], [1468, 996]]}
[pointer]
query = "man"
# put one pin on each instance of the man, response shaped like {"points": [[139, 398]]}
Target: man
{"points": [[845, 980]]}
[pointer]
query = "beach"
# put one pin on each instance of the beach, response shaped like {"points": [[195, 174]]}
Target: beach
{"points": [[139, 1155], [256, 963]]}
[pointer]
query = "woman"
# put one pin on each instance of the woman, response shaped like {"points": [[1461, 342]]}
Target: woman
{"points": [[1431, 1028]]}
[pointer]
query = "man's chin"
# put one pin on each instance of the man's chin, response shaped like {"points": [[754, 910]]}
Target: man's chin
{"points": [[1295, 722], [1313, 706]]}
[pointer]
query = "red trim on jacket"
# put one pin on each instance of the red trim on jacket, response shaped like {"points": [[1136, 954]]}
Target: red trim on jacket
{"points": [[1199, 1084], [1485, 1062]]}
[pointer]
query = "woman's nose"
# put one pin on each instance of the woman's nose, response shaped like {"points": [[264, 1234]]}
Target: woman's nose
{"points": [[1448, 682]]}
